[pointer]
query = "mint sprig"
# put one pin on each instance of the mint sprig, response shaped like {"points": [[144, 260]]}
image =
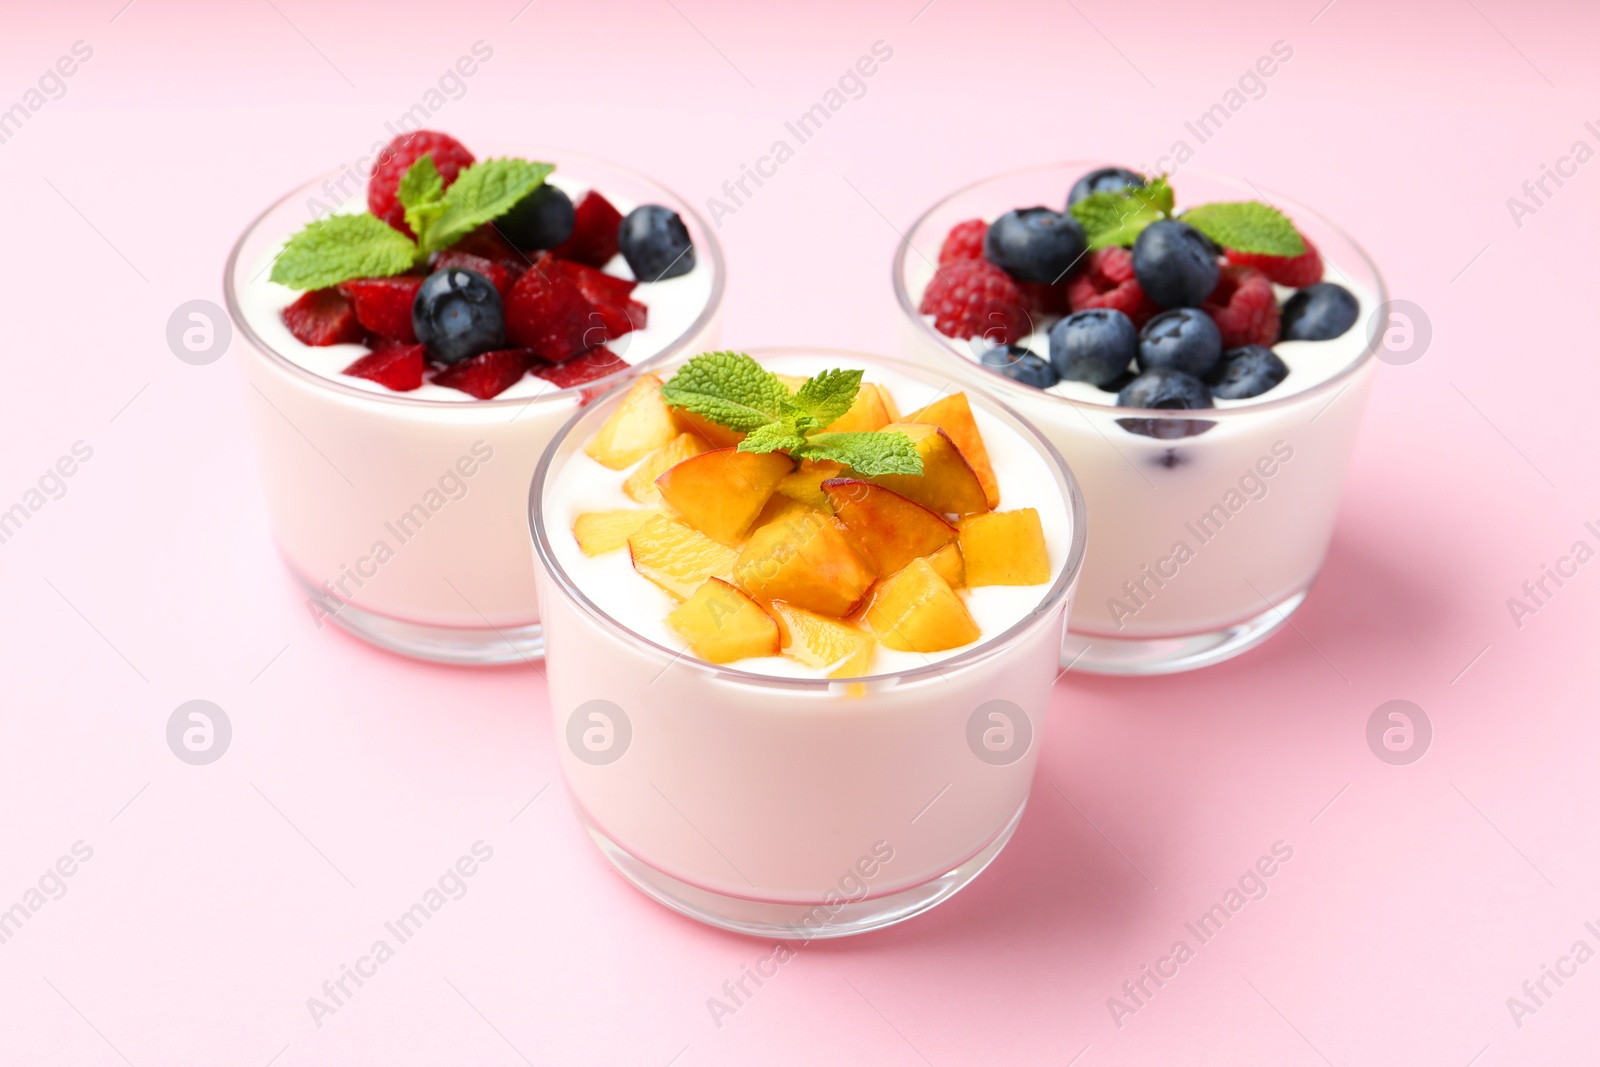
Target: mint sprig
{"points": [[1114, 219], [341, 247], [1247, 226], [735, 391], [481, 193]]}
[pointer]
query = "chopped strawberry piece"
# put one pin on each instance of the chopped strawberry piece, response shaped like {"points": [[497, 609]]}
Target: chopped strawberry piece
{"points": [[383, 305], [595, 363], [487, 374], [501, 278], [597, 286], [612, 311], [1043, 298], [487, 243], [450, 158], [594, 232], [547, 313], [397, 366], [323, 317]]}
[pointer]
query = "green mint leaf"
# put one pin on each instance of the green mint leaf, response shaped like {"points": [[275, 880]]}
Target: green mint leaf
{"points": [[1117, 219], [421, 183], [1247, 226], [482, 193], [869, 453], [341, 247], [730, 389], [781, 436], [825, 397]]}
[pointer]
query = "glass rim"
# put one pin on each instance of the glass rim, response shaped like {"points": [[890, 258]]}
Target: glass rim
{"points": [[984, 649], [1005, 385], [694, 329]]}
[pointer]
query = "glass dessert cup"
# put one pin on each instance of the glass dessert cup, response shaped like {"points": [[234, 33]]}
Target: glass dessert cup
{"points": [[401, 517], [1208, 528], [797, 807]]}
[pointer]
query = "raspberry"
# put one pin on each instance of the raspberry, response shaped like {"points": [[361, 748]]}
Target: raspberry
{"points": [[486, 375], [964, 241], [595, 363], [973, 297], [323, 317], [1107, 281], [1244, 307], [1297, 272], [450, 157], [383, 305], [594, 232], [547, 313], [498, 276], [397, 366]]}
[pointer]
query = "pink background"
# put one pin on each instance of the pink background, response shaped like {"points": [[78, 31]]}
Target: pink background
{"points": [[219, 898]]}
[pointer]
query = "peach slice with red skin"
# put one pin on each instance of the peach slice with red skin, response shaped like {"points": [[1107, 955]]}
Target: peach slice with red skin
{"points": [[915, 610], [891, 530], [808, 560], [641, 484], [721, 624], [721, 492], [947, 484], [867, 413], [953, 415], [641, 424], [678, 557]]}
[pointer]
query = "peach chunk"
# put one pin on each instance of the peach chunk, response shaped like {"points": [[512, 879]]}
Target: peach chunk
{"points": [[818, 641], [721, 492], [721, 624], [678, 557], [948, 562], [791, 382], [866, 414], [953, 415], [641, 484], [806, 559], [641, 424], [711, 434], [598, 532], [915, 610], [947, 484], [805, 482], [1005, 548], [891, 530], [889, 406]]}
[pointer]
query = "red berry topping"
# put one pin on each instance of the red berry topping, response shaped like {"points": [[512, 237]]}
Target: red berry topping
{"points": [[323, 317], [547, 313], [964, 241], [498, 276], [613, 311], [397, 366], [594, 232], [1107, 281], [1244, 307], [450, 157], [595, 363], [383, 305], [973, 297], [1042, 298], [486, 375], [1297, 272], [487, 243]]}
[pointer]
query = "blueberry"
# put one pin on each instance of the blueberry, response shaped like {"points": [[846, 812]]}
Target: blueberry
{"points": [[1318, 312], [1165, 389], [1183, 339], [1104, 180], [1175, 264], [542, 219], [457, 314], [1246, 372], [1093, 346], [1020, 365], [655, 243], [1034, 244]]}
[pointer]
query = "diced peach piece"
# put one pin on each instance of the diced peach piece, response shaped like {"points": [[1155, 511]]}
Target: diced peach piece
{"points": [[1005, 548], [948, 562], [805, 482], [866, 414], [818, 641], [806, 559], [947, 484], [713, 434], [641, 424], [780, 507], [599, 532], [641, 484], [953, 415], [890, 530], [889, 405], [678, 557], [721, 624], [915, 610], [791, 382], [721, 492]]}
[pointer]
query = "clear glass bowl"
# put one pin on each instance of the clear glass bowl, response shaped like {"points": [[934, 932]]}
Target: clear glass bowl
{"points": [[402, 517], [1205, 538], [796, 807]]}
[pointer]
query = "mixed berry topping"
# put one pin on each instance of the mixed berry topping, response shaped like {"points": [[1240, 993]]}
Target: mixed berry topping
{"points": [[439, 295], [1165, 309]]}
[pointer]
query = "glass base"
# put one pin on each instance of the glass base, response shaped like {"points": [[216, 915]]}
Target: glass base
{"points": [[459, 646], [796, 922], [1096, 654]]}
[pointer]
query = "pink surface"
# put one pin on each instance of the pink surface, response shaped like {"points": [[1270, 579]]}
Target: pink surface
{"points": [[219, 898]]}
